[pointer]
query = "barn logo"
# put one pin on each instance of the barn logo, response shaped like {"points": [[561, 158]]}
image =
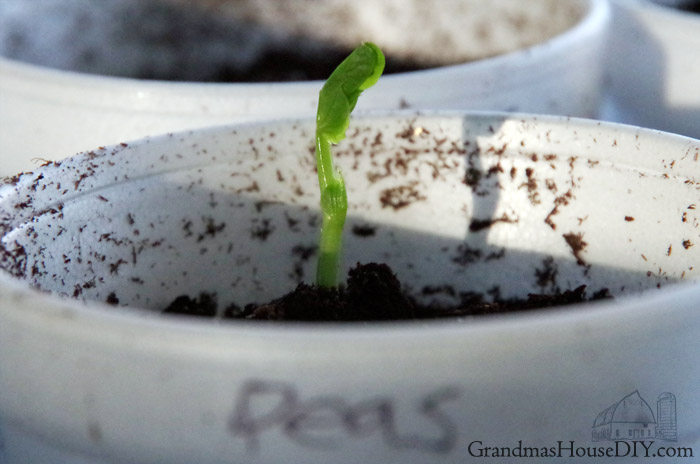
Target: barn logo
{"points": [[632, 418]]}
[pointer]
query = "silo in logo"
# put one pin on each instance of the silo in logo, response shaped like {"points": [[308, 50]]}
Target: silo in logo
{"points": [[666, 415]]}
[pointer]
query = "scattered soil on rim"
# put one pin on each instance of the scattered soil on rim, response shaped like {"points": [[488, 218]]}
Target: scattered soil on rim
{"points": [[372, 293]]}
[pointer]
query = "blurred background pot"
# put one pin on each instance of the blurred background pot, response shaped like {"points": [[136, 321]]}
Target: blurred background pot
{"points": [[653, 65], [74, 75], [460, 205]]}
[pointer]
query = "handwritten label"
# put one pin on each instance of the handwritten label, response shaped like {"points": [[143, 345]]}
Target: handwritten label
{"points": [[326, 421]]}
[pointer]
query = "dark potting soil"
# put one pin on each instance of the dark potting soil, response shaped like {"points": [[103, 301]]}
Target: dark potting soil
{"points": [[372, 293]]}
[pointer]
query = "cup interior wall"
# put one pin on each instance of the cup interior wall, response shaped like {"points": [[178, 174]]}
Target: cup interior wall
{"points": [[490, 207]]}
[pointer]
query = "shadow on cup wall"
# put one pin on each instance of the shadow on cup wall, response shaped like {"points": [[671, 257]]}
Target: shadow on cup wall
{"points": [[242, 269], [652, 66], [264, 250]]}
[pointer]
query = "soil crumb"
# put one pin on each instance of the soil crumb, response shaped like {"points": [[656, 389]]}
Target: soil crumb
{"points": [[203, 306]]}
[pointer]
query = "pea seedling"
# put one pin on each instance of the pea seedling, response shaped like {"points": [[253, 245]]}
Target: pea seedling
{"points": [[338, 97]]}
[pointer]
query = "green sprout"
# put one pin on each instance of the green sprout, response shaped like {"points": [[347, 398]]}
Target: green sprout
{"points": [[338, 97]]}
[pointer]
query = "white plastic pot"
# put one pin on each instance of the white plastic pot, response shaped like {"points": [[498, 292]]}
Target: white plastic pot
{"points": [[540, 57], [653, 66], [458, 204]]}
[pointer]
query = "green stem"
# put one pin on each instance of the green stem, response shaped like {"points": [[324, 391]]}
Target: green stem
{"points": [[334, 205], [329, 254], [324, 162]]}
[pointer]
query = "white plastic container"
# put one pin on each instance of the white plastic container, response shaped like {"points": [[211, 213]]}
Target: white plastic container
{"points": [[653, 66], [540, 57], [494, 205]]}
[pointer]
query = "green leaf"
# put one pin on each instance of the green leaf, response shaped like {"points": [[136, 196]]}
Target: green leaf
{"points": [[338, 97]]}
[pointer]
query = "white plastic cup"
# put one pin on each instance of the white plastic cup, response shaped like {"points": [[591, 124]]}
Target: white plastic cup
{"points": [[45, 113], [224, 209], [653, 66]]}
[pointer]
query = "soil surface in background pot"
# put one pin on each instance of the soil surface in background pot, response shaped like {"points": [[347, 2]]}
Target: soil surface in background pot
{"points": [[177, 42], [372, 293], [248, 41], [287, 66], [691, 6]]}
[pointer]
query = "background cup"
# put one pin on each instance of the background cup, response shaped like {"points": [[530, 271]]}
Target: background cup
{"points": [[460, 205], [551, 48], [653, 66]]}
